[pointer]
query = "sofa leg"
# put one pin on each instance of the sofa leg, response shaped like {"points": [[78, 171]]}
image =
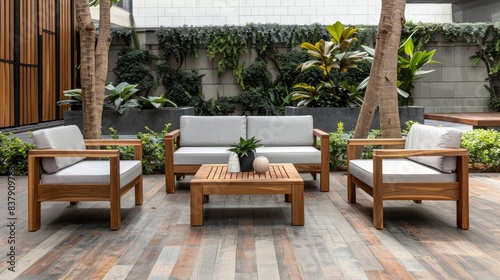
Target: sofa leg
{"points": [[325, 181], [417, 201], [462, 214]]}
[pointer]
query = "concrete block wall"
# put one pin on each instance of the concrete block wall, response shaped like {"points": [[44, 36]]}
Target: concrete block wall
{"points": [[155, 13], [454, 86]]}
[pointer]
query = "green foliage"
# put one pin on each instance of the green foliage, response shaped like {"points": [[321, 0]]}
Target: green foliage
{"points": [[153, 149], [184, 88], [259, 101], [330, 57], [13, 155], [229, 43], [120, 32], [257, 75], [224, 105], [338, 145], [484, 148], [75, 97], [289, 75], [244, 146], [410, 63], [121, 97], [134, 67], [180, 42]]}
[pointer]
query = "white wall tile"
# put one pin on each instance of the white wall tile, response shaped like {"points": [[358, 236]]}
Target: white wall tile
{"points": [[240, 12]]}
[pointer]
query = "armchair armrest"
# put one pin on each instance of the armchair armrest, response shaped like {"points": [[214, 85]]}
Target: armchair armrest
{"points": [[136, 143], [353, 143], [325, 146], [74, 153], [399, 153]]}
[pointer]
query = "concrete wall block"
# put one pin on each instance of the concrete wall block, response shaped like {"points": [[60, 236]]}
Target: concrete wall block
{"points": [[471, 90], [209, 76], [232, 90], [442, 90], [212, 91]]}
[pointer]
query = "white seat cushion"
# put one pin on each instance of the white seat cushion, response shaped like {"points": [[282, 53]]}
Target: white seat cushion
{"points": [[399, 170], [291, 154], [93, 172], [201, 155]]}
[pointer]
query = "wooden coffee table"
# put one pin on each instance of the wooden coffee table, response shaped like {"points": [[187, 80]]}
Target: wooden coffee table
{"points": [[280, 179]]}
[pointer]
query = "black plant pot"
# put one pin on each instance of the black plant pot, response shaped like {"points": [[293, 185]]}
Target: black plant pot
{"points": [[246, 162]]}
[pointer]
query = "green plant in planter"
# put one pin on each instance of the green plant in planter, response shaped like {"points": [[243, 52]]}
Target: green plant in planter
{"points": [[75, 97], [245, 146], [134, 66], [331, 56], [121, 97], [245, 150]]}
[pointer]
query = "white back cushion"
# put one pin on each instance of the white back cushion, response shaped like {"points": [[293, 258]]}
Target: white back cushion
{"points": [[59, 138], [211, 131], [430, 137], [281, 130]]}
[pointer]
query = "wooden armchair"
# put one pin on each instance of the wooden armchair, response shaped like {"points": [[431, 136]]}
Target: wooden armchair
{"points": [[60, 169], [432, 166]]}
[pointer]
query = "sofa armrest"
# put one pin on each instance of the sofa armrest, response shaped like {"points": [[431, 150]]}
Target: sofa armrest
{"points": [[400, 153], [325, 145], [136, 143]]}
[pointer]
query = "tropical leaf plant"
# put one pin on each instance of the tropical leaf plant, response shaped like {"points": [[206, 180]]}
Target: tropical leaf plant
{"points": [[155, 101], [121, 97], [75, 96], [330, 56]]}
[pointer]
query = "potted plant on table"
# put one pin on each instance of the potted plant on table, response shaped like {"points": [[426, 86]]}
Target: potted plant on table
{"points": [[245, 150]]}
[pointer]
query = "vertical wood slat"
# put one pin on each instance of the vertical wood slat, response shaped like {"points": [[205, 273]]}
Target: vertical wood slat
{"points": [[65, 51]]}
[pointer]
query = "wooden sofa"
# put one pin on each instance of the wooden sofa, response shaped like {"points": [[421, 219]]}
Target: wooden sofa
{"points": [[432, 166], [206, 139]]}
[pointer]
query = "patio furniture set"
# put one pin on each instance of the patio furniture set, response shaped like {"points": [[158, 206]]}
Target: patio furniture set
{"points": [[432, 166]]}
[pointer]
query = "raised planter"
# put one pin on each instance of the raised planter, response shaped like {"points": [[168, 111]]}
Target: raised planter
{"points": [[327, 119], [133, 121]]}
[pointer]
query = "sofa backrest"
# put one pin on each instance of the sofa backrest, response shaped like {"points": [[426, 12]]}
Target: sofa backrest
{"points": [[281, 130], [214, 131], [59, 138], [431, 137]]}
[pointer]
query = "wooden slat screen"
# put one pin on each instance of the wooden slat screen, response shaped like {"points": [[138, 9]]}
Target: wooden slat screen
{"points": [[48, 32], [66, 52], [7, 63], [28, 76], [36, 59]]}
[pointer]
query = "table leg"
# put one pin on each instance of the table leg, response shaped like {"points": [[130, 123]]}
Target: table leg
{"points": [[298, 205], [196, 192]]}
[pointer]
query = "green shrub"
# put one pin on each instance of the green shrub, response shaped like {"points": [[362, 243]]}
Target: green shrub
{"points": [[153, 149], [13, 155], [484, 149], [134, 67]]}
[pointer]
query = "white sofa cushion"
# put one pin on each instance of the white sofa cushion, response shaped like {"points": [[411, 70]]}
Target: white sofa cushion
{"points": [[291, 154], [60, 138], [201, 155], [430, 137], [93, 172], [211, 131], [399, 170], [281, 130]]}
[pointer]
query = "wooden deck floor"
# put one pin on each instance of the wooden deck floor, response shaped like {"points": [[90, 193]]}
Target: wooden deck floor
{"points": [[250, 237]]}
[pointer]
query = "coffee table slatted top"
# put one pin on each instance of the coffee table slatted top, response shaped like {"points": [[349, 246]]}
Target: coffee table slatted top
{"points": [[276, 173]]}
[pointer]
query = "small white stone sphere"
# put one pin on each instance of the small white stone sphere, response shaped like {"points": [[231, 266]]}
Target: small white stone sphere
{"points": [[261, 164]]}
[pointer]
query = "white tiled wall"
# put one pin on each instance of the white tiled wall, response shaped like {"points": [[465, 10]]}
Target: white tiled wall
{"points": [[154, 13]]}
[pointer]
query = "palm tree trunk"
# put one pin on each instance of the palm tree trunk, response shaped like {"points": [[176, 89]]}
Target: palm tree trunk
{"points": [[383, 75], [93, 64]]}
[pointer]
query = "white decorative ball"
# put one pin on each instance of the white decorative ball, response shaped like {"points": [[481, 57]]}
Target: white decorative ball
{"points": [[261, 164]]}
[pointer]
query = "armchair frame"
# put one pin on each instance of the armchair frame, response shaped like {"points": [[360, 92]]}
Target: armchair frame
{"points": [[457, 191], [38, 192]]}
